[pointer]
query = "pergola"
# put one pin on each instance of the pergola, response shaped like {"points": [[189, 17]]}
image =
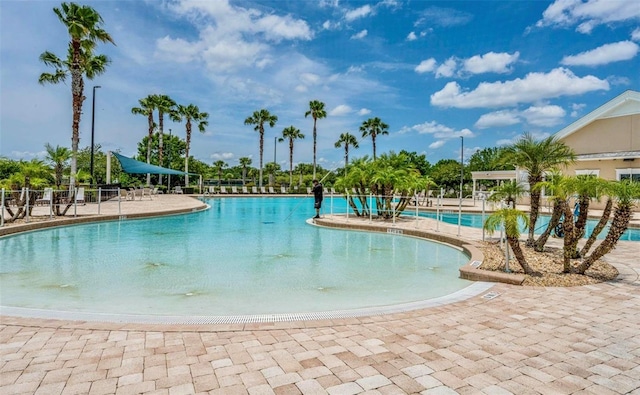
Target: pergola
{"points": [[493, 175]]}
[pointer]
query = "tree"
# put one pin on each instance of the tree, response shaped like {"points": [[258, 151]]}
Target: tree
{"points": [[374, 127], [218, 166], [537, 157], [84, 26], [625, 193], [290, 133], [317, 111], [419, 161], [511, 219], [189, 113], [556, 189], [509, 192], [244, 162], [347, 139], [57, 158], [259, 118], [147, 105], [30, 174], [446, 174], [165, 105], [272, 168], [488, 159]]}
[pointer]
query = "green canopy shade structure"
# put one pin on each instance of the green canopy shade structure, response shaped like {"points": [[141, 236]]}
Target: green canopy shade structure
{"points": [[133, 166]]}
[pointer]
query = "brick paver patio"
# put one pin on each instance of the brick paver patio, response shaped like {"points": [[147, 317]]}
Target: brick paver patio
{"points": [[579, 340]]}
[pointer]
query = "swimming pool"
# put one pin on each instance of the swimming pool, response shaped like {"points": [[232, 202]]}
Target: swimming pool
{"points": [[475, 221], [243, 256]]}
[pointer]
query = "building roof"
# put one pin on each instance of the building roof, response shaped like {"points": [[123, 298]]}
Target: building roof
{"points": [[628, 103], [610, 155]]}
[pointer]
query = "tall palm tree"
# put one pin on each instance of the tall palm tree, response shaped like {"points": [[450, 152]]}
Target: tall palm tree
{"points": [[259, 118], [537, 157], [245, 162], [511, 219], [374, 127], [147, 106], [290, 133], [348, 140], [165, 105], [626, 194], [84, 26], [218, 166], [189, 113], [317, 111]]}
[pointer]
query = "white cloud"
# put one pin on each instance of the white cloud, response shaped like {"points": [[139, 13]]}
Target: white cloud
{"points": [[588, 14], [438, 131], [340, 110], [223, 43], [445, 17], [447, 69], [533, 87], [364, 111], [608, 53], [490, 62], [547, 116], [357, 13], [576, 109], [412, 36], [497, 119], [426, 66], [360, 35], [635, 35], [222, 156], [437, 144]]}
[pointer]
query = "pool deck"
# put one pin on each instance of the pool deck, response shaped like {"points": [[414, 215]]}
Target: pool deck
{"points": [[508, 340]]}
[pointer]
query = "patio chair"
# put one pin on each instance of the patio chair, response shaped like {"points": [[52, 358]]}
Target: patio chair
{"points": [[333, 191], [308, 191], [254, 190], [234, 190], [271, 190], [146, 192], [46, 197], [79, 196], [283, 190], [223, 189], [263, 190], [177, 189], [244, 190]]}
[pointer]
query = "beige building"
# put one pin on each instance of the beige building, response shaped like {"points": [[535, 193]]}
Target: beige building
{"points": [[607, 140]]}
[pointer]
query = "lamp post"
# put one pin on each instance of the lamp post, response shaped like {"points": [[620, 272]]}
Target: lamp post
{"points": [[275, 145], [461, 179], [93, 121], [169, 158]]}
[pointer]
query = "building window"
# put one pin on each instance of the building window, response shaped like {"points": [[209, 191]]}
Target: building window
{"points": [[588, 172], [626, 174]]}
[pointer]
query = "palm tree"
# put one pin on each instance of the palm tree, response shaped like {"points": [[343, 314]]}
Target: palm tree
{"points": [[374, 127], [556, 189], [626, 194], [57, 158], [189, 113], [290, 133], [509, 192], [537, 157], [511, 219], [165, 105], [218, 166], [272, 168], [259, 118], [317, 111], [348, 140], [244, 162], [147, 105], [84, 26]]}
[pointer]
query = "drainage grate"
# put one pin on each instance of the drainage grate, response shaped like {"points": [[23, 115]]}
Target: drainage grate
{"points": [[490, 295]]}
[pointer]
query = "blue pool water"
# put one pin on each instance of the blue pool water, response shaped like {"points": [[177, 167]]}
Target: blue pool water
{"points": [[475, 221], [242, 256]]}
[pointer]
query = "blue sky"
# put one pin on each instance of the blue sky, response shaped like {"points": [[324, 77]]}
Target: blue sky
{"points": [[433, 71]]}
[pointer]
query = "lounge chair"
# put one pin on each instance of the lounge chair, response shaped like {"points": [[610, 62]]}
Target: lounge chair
{"points": [[283, 190], [263, 190], [79, 196], [254, 190], [46, 197], [244, 190], [234, 190], [177, 189], [271, 190], [308, 191], [333, 191], [223, 190], [146, 192]]}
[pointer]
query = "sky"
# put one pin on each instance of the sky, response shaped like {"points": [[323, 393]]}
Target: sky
{"points": [[434, 71]]}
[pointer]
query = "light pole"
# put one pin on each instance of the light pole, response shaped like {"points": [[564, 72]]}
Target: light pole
{"points": [[461, 179], [93, 121], [169, 157], [275, 145]]}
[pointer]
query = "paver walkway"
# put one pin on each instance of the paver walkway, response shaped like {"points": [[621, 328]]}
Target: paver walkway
{"points": [[580, 340]]}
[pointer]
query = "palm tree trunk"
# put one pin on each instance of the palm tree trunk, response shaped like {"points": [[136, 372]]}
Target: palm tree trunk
{"points": [[568, 228], [553, 222], [261, 152], [314, 147], [186, 158], [619, 225], [604, 219], [534, 195], [150, 137], [290, 162], [373, 142], [579, 227], [514, 243], [77, 87], [160, 141]]}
